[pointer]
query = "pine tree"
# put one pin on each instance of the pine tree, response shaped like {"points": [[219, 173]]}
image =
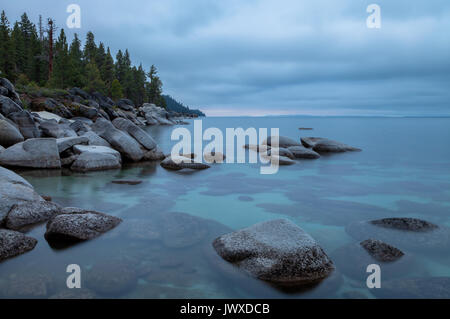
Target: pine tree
{"points": [[76, 76], [107, 71], [93, 79], [154, 88], [6, 49], [90, 48], [116, 90], [61, 71]]}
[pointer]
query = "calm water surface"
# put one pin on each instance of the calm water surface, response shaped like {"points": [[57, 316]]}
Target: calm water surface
{"points": [[163, 247]]}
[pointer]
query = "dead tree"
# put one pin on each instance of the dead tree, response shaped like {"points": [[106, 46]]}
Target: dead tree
{"points": [[51, 32]]}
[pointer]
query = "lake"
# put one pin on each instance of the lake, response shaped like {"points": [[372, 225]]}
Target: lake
{"points": [[163, 247]]}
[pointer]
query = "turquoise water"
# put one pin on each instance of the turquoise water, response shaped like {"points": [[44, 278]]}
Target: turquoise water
{"points": [[163, 247]]}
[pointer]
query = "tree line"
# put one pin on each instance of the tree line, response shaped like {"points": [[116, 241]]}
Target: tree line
{"points": [[31, 55]]}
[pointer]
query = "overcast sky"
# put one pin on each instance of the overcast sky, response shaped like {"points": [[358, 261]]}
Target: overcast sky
{"points": [[260, 57]]}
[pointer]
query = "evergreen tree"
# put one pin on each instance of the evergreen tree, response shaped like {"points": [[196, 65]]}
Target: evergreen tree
{"points": [[154, 88], [62, 66], [107, 71], [76, 77], [90, 49], [116, 90], [6, 49], [93, 80]]}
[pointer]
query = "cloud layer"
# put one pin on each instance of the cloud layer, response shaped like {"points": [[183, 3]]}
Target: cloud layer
{"points": [[259, 57]]}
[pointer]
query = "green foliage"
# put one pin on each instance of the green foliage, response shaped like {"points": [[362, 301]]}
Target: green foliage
{"points": [[24, 59], [116, 90], [174, 105], [93, 79]]}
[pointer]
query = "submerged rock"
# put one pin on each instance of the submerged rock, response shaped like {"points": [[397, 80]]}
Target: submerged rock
{"points": [[181, 162], [282, 141], [181, 230], [74, 224], [154, 155], [415, 288], [404, 233], [13, 243], [277, 251], [127, 182], [405, 223], [381, 251], [257, 148], [30, 213], [324, 145], [112, 277], [303, 152], [34, 153]]}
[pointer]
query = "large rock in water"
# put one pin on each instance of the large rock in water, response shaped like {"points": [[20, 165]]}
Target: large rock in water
{"points": [[75, 224], [30, 213], [95, 158], [139, 134], [381, 251], [9, 134], [181, 162], [303, 152], [13, 243], [118, 139], [14, 190], [33, 153], [277, 251], [324, 145], [282, 141], [405, 233]]}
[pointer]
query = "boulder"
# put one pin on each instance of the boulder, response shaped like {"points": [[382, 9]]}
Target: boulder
{"points": [[33, 153], [14, 190], [139, 134], [405, 223], [9, 134], [67, 142], [303, 152], [282, 152], [95, 158], [80, 127], [95, 140], [181, 162], [281, 160], [324, 145], [79, 92], [118, 139], [276, 251], [154, 155], [83, 110], [405, 233], [55, 107], [73, 225], [214, 157], [26, 123], [8, 106], [381, 251], [155, 115], [126, 182], [51, 128], [13, 243], [257, 148], [282, 141], [30, 213]]}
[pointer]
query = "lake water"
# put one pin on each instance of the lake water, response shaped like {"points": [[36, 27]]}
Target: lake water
{"points": [[163, 247]]}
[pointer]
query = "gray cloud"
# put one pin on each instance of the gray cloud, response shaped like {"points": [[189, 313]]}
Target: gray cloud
{"points": [[279, 57]]}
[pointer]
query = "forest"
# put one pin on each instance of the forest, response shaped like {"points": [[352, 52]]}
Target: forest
{"points": [[40, 56]]}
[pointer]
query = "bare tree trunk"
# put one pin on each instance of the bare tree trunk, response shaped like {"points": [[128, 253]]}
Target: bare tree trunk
{"points": [[50, 47]]}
